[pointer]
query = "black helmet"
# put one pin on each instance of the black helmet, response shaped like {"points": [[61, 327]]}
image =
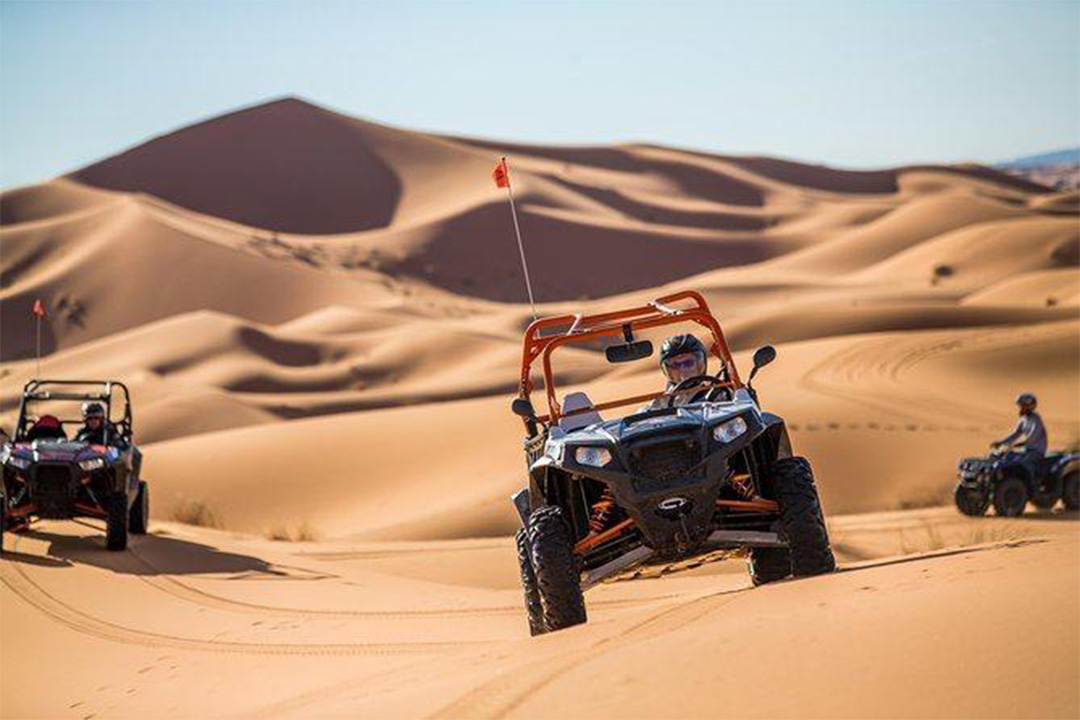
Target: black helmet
{"points": [[679, 345], [92, 409], [1026, 400]]}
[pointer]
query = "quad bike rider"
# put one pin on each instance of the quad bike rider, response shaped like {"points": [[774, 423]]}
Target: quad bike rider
{"points": [[95, 475], [701, 467], [1018, 470]]}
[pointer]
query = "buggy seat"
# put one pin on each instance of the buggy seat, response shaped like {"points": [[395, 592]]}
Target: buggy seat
{"points": [[578, 401]]}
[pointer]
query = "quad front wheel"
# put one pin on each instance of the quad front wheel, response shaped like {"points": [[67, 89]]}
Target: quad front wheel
{"points": [[551, 549], [971, 501]]}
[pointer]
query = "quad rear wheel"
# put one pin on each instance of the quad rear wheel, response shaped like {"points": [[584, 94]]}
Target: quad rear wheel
{"points": [[551, 549], [1070, 490], [972, 502], [802, 518], [1010, 497], [139, 519], [533, 605], [116, 521]]}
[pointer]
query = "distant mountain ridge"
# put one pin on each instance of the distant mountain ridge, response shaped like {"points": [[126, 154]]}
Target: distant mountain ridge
{"points": [[1068, 156]]}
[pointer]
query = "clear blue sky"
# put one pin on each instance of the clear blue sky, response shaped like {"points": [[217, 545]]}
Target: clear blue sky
{"points": [[845, 83]]}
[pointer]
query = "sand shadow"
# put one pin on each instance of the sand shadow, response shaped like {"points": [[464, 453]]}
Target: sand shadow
{"points": [[1059, 515], [149, 555]]}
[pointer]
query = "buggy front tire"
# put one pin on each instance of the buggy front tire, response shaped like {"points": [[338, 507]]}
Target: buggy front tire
{"points": [[972, 502], [139, 519], [116, 521], [551, 548], [534, 607], [802, 518], [1010, 497], [768, 564], [1070, 491]]}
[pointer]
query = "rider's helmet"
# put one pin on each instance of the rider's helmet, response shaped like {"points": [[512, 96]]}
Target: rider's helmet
{"points": [[1026, 401], [93, 410], [683, 357]]}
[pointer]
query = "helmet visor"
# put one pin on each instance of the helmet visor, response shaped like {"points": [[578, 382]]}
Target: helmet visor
{"points": [[684, 366]]}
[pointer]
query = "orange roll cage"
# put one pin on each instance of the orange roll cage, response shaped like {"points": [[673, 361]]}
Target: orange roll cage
{"points": [[580, 328]]}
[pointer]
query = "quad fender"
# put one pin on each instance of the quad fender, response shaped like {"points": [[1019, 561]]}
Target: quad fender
{"points": [[1016, 470], [775, 436], [1067, 464]]}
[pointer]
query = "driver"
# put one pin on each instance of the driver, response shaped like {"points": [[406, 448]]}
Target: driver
{"points": [[94, 424], [681, 357], [1029, 437]]}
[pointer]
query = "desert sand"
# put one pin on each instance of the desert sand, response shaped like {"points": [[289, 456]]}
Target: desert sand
{"points": [[320, 318]]}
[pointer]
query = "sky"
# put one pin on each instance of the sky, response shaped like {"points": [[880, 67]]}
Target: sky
{"points": [[851, 84]]}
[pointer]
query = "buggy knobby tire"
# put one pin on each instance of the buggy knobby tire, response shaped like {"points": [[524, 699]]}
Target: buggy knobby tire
{"points": [[768, 564], [551, 549], [533, 605], [3, 520], [116, 521], [802, 518], [972, 502], [139, 519], [1070, 490], [1010, 497]]}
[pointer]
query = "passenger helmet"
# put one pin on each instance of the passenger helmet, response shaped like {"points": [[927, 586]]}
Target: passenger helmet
{"points": [[1026, 400], [47, 421], [92, 409]]}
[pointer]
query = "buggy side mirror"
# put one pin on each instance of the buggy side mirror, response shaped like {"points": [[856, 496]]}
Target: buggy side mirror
{"points": [[762, 357], [522, 407]]}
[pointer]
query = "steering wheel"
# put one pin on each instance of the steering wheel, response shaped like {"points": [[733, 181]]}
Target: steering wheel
{"points": [[694, 382], [691, 382]]}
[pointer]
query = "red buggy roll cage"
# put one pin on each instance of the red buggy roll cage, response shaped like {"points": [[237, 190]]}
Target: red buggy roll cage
{"points": [[580, 328]]}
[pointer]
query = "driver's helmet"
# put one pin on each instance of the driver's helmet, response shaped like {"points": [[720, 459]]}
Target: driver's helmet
{"points": [[50, 422], [683, 357], [1026, 400], [93, 410]]}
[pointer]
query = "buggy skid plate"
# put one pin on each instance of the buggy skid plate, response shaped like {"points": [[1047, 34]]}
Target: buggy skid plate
{"points": [[719, 540], [742, 538]]}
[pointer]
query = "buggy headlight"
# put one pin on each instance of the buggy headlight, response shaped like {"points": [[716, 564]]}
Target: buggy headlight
{"points": [[14, 461], [726, 432], [593, 456], [92, 464]]}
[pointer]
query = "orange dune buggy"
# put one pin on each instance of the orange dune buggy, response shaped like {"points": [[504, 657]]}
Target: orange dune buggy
{"points": [[659, 484]]}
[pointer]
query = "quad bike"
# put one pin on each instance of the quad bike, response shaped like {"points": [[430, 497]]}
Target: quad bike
{"points": [[47, 476], [605, 496], [1001, 479]]}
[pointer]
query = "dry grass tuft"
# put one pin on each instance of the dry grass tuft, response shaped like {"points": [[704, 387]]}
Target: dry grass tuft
{"points": [[303, 532], [196, 512], [925, 498]]}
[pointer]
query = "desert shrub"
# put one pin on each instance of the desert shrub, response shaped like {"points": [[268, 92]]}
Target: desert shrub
{"points": [[196, 512]]}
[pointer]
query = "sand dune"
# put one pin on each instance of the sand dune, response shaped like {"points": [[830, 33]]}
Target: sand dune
{"points": [[320, 319]]}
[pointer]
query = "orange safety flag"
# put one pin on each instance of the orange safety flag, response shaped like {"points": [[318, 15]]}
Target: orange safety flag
{"points": [[39, 308], [501, 174]]}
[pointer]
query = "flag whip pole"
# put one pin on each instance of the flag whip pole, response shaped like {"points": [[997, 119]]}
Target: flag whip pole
{"points": [[521, 245], [37, 318]]}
